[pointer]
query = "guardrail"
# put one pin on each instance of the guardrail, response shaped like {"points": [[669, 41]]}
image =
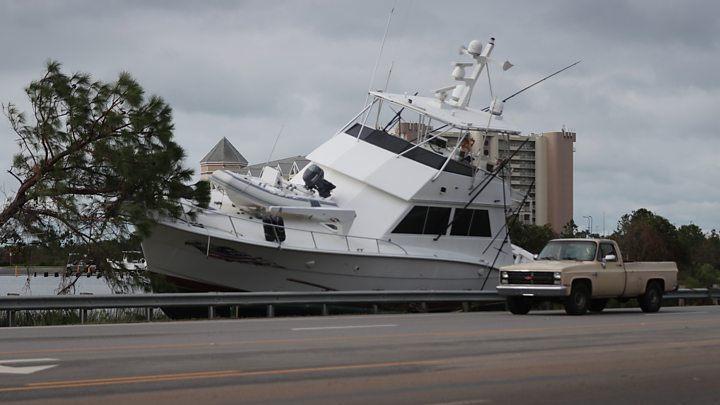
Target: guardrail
{"points": [[271, 299]]}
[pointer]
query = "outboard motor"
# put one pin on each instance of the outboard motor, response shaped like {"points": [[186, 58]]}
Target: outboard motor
{"points": [[314, 178]]}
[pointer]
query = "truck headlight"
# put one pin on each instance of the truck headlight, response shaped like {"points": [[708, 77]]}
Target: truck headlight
{"points": [[503, 277], [557, 277]]}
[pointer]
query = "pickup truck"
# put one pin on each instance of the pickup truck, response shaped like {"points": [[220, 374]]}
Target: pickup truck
{"points": [[583, 274]]}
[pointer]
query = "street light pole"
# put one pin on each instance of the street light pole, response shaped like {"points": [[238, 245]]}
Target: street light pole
{"points": [[589, 218]]}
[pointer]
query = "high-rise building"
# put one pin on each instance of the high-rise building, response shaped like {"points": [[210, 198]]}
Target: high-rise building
{"points": [[547, 161]]}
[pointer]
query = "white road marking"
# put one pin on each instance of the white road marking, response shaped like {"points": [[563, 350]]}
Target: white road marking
{"points": [[25, 369], [678, 313], [346, 327]]}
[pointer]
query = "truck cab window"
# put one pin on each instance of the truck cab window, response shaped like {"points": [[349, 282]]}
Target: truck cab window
{"points": [[607, 249]]}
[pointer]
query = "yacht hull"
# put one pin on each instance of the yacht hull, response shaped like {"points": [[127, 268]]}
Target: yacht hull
{"points": [[181, 252]]}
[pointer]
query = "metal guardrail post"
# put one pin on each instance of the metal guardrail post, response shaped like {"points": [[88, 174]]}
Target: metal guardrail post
{"points": [[466, 306], [211, 312], [270, 311], [10, 317], [83, 315], [324, 309], [148, 314]]}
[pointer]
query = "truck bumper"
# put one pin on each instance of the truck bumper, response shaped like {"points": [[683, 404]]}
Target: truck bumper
{"points": [[533, 290]]}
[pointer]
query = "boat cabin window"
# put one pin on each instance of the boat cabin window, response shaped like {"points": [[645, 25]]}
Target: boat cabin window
{"points": [[471, 223], [424, 220]]}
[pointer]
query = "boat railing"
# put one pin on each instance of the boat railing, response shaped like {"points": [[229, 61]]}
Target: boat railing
{"points": [[300, 238]]}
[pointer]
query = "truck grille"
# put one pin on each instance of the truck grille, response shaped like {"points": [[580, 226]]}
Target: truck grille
{"points": [[530, 277]]}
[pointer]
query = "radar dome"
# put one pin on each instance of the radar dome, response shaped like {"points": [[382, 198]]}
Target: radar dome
{"points": [[475, 47]]}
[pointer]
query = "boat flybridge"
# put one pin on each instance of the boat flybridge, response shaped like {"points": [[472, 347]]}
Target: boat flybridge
{"points": [[404, 197]]}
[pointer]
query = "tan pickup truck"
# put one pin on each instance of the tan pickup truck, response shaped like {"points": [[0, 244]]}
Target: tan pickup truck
{"points": [[583, 274]]}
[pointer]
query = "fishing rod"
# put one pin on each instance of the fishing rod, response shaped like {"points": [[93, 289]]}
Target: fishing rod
{"points": [[396, 118], [485, 183], [534, 84], [486, 180], [513, 217], [506, 239]]}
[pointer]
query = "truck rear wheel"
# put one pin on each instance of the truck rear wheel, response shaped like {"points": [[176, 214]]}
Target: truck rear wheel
{"points": [[651, 300], [519, 305], [579, 299]]}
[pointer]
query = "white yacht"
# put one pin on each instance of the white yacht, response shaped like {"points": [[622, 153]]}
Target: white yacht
{"points": [[378, 208]]}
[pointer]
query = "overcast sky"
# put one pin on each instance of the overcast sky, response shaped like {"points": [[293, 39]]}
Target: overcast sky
{"points": [[644, 101]]}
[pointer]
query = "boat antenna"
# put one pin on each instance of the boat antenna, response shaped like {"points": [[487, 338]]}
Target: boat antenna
{"points": [[536, 83], [382, 45], [387, 82], [275, 144]]}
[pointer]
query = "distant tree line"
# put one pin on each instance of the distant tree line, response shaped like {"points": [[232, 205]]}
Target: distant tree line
{"points": [[59, 252], [644, 236]]}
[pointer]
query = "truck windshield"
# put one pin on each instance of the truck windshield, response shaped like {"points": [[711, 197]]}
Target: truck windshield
{"points": [[569, 250]]}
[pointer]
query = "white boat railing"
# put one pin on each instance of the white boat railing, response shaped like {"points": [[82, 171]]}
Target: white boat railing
{"points": [[296, 237]]}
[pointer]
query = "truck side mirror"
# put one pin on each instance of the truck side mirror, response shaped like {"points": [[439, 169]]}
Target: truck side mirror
{"points": [[607, 258]]}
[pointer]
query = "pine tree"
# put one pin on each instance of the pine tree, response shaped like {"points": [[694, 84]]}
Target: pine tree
{"points": [[96, 159]]}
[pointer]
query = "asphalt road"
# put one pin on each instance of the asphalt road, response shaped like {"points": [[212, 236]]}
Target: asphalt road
{"points": [[619, 356]]}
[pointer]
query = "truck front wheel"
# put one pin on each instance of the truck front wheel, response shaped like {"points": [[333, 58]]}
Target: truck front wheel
{"points": [[651, 300], [519, 305], [578, 301]]}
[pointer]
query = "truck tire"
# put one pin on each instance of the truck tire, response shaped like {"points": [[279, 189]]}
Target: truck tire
{"points": [[579, 299], [519, 305], [598, 305], [651, 300]]}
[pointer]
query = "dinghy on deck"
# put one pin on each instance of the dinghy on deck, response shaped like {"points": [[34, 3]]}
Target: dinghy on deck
{"points": [[267, 190]]}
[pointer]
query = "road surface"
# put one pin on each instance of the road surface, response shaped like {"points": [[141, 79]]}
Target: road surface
{"points": [[618, 356]]}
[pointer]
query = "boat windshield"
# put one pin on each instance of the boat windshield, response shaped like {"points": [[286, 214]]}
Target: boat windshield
{"points": [[569, 250]]}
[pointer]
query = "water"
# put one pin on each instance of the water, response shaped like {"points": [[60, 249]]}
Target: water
{"points": [[34, 282]]}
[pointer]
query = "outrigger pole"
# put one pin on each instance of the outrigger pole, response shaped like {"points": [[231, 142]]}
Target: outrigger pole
{"points": [[536, 83]]}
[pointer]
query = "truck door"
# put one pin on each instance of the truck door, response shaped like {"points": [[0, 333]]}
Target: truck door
{"points": [[610, 280]]}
